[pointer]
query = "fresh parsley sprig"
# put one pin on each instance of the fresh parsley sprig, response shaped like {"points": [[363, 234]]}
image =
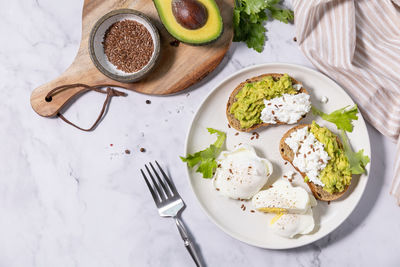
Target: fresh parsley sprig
{"points": [[249, 17]]}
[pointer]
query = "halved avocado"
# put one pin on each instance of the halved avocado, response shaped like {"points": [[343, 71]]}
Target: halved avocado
{"points": [[191, 21]]}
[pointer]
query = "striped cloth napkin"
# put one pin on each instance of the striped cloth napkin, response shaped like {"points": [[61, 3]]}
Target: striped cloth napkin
{"points": [[357, 44]]}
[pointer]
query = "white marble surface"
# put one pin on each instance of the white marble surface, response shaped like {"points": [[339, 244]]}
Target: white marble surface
{"points": [[69, 199]]}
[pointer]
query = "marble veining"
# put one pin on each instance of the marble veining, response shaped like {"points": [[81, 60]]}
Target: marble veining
{"points": [[69, 198]]}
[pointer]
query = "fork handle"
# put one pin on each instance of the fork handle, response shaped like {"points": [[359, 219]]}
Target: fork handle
{"points": [[188, 243]]}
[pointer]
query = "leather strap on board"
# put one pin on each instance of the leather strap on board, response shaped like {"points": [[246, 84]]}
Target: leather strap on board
{"points": [[110, 92]]}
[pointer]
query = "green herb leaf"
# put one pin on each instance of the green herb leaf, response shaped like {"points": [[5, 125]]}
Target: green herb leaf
{"points": [[357, 160], [272, 2], [249, 18], [206, 159], [283, 15], [342, 117], [256, 38], [254, 6]]}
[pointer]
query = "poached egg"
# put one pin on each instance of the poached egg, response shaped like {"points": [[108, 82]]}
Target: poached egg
{"points": [[241, 173], [292, 206]]}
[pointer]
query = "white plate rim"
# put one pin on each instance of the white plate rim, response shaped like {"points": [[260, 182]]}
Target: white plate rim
{"points": [[210, 216]]}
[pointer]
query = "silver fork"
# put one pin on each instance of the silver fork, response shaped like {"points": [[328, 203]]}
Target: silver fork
{"points": [[169, 204]]}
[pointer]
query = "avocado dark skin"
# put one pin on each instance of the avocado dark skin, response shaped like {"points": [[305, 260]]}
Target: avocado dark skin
{"points": [[190, 14]]}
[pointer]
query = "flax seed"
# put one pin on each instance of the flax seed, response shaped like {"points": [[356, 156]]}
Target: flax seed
{"points": [[174, 43], [128, 45]]}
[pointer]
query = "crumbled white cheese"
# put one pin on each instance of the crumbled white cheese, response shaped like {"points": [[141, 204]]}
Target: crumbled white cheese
{"points": [[324, 99], [310, 156], [287, 108]]}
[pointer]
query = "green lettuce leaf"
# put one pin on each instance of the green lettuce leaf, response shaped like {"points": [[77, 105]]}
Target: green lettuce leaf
{"points": [[343, 117], [206, 159], [357, 160]]}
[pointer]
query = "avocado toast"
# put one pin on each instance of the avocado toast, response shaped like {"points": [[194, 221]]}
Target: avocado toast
{"points": [[246, 117], [335, 171]]}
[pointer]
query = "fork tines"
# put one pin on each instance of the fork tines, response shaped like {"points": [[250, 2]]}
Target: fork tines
{"points": [[161, 188]]}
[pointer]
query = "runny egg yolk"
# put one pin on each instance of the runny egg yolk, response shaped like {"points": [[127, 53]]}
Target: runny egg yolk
{"points": [[273, 210], [276, 218], [278, 211]]}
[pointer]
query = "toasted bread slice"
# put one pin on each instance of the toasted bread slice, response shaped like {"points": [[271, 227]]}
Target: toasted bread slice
{"points": [[235, 123], [288, 155]]}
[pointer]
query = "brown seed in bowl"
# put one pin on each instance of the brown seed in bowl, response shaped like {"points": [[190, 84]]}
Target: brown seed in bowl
{"points": [[128, 45]]}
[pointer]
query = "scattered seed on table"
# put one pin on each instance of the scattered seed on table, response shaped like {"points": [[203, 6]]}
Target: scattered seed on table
{"points": [[174, 43]]}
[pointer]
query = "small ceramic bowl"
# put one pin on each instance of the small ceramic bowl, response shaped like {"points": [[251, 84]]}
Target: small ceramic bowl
{"points": [[96, 48]]}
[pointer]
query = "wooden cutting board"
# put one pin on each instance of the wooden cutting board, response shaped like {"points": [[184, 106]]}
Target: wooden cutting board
{"points": [[177, 68]]}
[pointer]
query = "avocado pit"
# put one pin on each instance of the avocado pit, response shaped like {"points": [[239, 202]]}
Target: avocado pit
{"points": [[190, 14]]}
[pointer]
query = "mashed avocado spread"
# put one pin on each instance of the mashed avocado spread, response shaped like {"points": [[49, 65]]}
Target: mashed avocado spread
{"points": [[336, 175], [250, 100]]}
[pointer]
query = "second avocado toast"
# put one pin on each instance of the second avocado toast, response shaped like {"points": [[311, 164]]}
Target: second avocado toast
{"points": [[338, 174]]}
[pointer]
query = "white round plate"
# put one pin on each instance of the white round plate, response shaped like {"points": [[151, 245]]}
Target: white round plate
{"points": [[252, 227]]}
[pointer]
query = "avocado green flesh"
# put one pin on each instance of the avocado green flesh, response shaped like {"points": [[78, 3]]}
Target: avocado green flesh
{"points": [[336, 175], [250, 99], [209, 32]]}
